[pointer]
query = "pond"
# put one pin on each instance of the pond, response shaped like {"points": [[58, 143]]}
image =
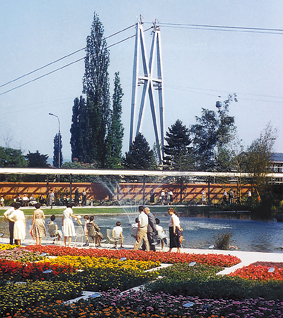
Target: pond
{"points": [[247, 235]]}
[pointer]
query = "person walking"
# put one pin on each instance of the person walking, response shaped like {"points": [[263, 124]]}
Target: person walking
{"points": [[151, 229], [11, 224], [68, 225], [38, 228], [84, 197], [175, 230], [231, 196], [17, 216], [224, 197], [51, 197], [77, 197], [203, 198], [142, 230]]}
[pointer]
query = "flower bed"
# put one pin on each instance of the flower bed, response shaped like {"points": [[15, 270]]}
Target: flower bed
{"points": [[82, 262], [19, 254], [144, 304], [102, 270], [201, 280], [259, 272], [18, 271], [162, 257]]}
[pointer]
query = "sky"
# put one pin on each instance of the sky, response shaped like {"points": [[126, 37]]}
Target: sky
{"points": [[199, 64]]}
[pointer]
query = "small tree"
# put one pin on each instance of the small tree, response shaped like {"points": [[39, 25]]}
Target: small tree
{"points": [[211, 134], [37, 160], [57, 153], [10, 158], [140, 155], [259, 158], [177, 151]]}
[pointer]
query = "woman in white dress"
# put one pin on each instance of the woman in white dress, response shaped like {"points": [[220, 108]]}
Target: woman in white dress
{"points": [[17, 216], [67, 224]]}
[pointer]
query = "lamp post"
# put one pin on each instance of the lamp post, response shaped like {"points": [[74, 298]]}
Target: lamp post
{"points": [[59, 136]]}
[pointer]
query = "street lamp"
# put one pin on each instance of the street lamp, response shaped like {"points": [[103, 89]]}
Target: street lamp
{"points": [[59, 136]]}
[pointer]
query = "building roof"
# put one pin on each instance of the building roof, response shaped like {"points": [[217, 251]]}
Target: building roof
{"points": [[277, 157]]}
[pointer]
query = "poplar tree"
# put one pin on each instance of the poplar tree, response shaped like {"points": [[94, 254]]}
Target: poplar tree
{"points": [[57, 151], [97, 131], [80, 139], [116, 129], [96, 88]]}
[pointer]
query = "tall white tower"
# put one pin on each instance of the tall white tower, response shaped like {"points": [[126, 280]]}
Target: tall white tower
{"points": [[149, 83]]}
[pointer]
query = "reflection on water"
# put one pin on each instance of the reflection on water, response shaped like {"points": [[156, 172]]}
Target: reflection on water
{"points": [[247, 235]]}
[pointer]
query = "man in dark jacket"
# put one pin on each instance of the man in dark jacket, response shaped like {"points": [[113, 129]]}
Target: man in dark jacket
{"points": [[151, 228]]}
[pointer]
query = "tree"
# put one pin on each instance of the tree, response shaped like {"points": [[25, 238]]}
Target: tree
{"points": [[259, 158], [116, 130], [177, 151], [57, 151], [37, 160], [96, 88], [80, 140], [10, 158], [140, 156], [97, 131], [211, 135]]}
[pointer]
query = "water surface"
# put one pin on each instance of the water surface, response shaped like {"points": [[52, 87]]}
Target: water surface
{"points": [[247, 235]]}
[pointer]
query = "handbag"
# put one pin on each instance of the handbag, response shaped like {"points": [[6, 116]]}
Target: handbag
{"points": [[181, 239]]}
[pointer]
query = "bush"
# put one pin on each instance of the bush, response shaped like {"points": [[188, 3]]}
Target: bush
{"points": [[222, 240], [217, 287]]}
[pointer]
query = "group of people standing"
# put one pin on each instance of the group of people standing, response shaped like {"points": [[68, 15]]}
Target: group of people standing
{"points": [[166, 198], [17, 224], [149, 228]]}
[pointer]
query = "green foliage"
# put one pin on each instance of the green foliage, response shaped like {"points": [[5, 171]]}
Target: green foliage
{"points": [[10, 158], [177, 151], [96, 88], [96, 279], [222, 240], [258, 159], [116, 130], [97, 131], [212, 132], [80, 131], [208, 285], [182, 271], [37, 160], [140, 156], [14, 297], [57, 151], [77, 165]]}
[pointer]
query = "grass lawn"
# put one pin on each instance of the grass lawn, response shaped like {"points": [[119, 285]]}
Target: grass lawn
{"points": [[95, 210]]}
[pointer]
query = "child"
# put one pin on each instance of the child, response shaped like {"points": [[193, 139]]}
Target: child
{"points": [[117, 234], [94, 231], [86, 218], [134, 228], [161, 236], [52, 228], [2, 202]]}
